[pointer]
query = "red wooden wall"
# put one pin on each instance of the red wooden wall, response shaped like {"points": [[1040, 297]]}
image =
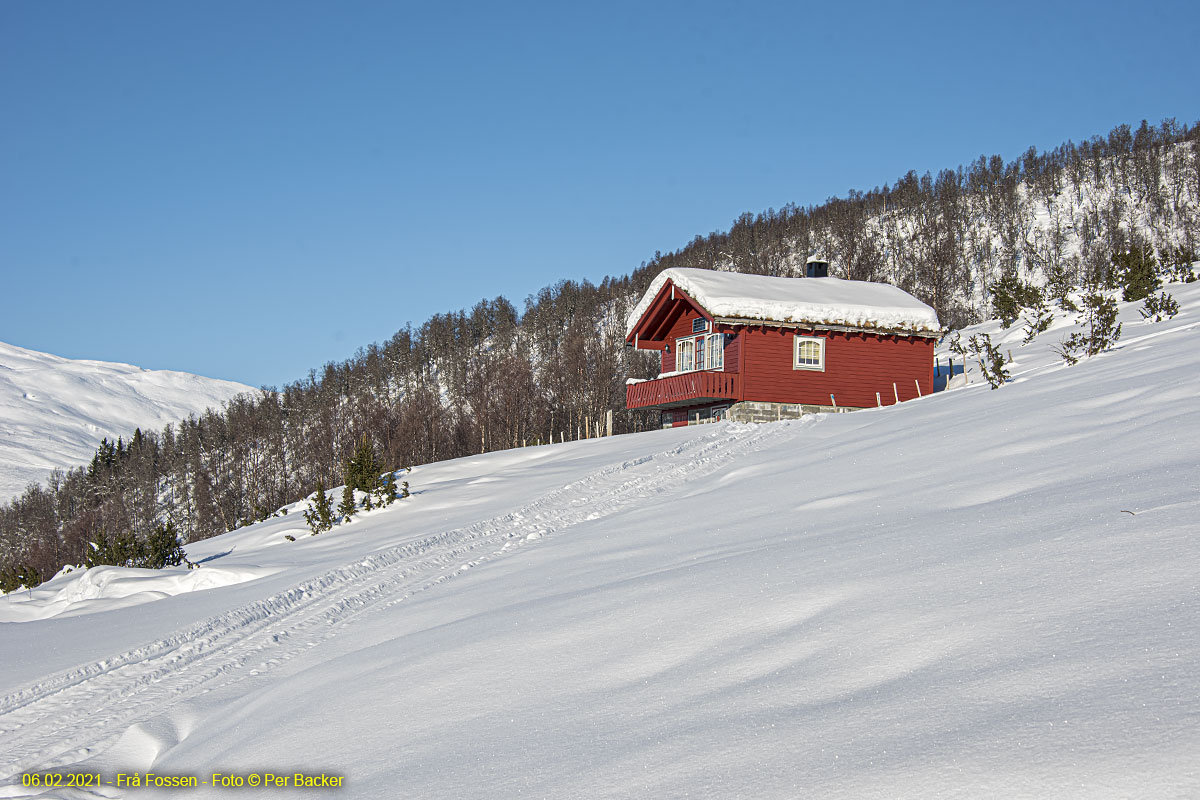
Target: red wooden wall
{"points": [[682, 327], [857, 365]]}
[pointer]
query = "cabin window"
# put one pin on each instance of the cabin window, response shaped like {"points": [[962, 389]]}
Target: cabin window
{"points": [[809, 353], [684, 349], [700, 353], [716, 351]]}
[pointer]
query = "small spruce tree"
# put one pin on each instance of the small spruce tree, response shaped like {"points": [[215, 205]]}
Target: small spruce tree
{"points": [[1060, 282], [319, 515], [1180, 262], [991, 360], [1037, 320], [163, 548], [1138, 272], [362, 470], [1010, 294], [1159, 307], [14, 577], [1006, 297], [387, 489], [1103, 331], [348, 505], [120, 550]]}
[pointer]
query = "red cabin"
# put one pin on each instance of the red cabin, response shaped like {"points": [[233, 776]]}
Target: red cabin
{"points": [[755, 347]]}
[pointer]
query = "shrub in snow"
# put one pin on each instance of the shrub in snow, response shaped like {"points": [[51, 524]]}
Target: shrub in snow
{"points": [[163, 548], [1060, 282], [160, 549], [1180, 262], [1137, 270], [1010, 294], [119, 550], [1159, 307], [991, 360], [1037, 320], [361, 470], [348, 505], [20, 576], [319, 514], [1100, 314], [387, 489]]}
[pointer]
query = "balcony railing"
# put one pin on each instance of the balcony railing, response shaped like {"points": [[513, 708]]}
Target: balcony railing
{"points": [[685, 389]]}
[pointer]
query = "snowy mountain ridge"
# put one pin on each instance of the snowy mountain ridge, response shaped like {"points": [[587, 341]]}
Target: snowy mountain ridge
{"points": [[54, 411], [976, 593]]}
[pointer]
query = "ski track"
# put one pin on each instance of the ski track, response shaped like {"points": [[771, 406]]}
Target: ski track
{"points": [[73, 715]]}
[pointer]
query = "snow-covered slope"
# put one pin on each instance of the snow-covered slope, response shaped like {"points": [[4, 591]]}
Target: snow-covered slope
{"points": [[54, 411], [974, 594]]}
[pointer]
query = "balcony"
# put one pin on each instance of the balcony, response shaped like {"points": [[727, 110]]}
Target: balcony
{"points": [[687, 389]]}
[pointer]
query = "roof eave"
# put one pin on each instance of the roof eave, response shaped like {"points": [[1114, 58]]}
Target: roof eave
{"points": [[820, 326]]}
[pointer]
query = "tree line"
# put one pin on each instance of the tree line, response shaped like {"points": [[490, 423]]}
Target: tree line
{"points": [[496, 377]]}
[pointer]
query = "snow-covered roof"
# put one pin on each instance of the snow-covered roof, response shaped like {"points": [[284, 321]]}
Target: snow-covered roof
{"points": [[818, 301]]}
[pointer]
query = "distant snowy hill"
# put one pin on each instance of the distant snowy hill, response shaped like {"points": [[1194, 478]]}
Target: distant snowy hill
{"points": [[54, 411], [976, 594]]}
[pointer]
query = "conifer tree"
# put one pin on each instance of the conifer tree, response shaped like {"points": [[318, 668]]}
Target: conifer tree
{"points": [[1159, 307], [163, 548], [362, 470], [1137, 271], [991, 360], [387, 489], [348, 505], [18, 576], [1103, 331], [319, 515], [120, 550], [1010, 294]]}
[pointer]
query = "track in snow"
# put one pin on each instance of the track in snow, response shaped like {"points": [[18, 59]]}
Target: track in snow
{"points": [[76, 714]]}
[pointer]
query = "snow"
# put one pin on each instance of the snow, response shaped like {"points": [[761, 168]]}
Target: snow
{"points": [[54, 411], [103, 588], [974, 594], [818, 301]]}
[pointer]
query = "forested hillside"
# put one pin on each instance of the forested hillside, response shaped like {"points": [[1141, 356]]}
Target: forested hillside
{"points": [[498, 377]]}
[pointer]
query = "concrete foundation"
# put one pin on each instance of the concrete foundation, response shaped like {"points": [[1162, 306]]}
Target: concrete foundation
{"points": [[757, 411]]}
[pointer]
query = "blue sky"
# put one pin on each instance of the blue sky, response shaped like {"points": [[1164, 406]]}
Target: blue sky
{"points": [[248, 190]]}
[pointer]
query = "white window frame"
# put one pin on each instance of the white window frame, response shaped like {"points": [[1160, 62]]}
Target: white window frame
{"points": [[680, 346], [714, 353], [796, 344]]}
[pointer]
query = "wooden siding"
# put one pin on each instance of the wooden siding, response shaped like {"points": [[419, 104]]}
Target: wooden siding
{"points": [[682, 326], [733, 350], [668, 360], [661, 321], [857, 365], [686, 389]]}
